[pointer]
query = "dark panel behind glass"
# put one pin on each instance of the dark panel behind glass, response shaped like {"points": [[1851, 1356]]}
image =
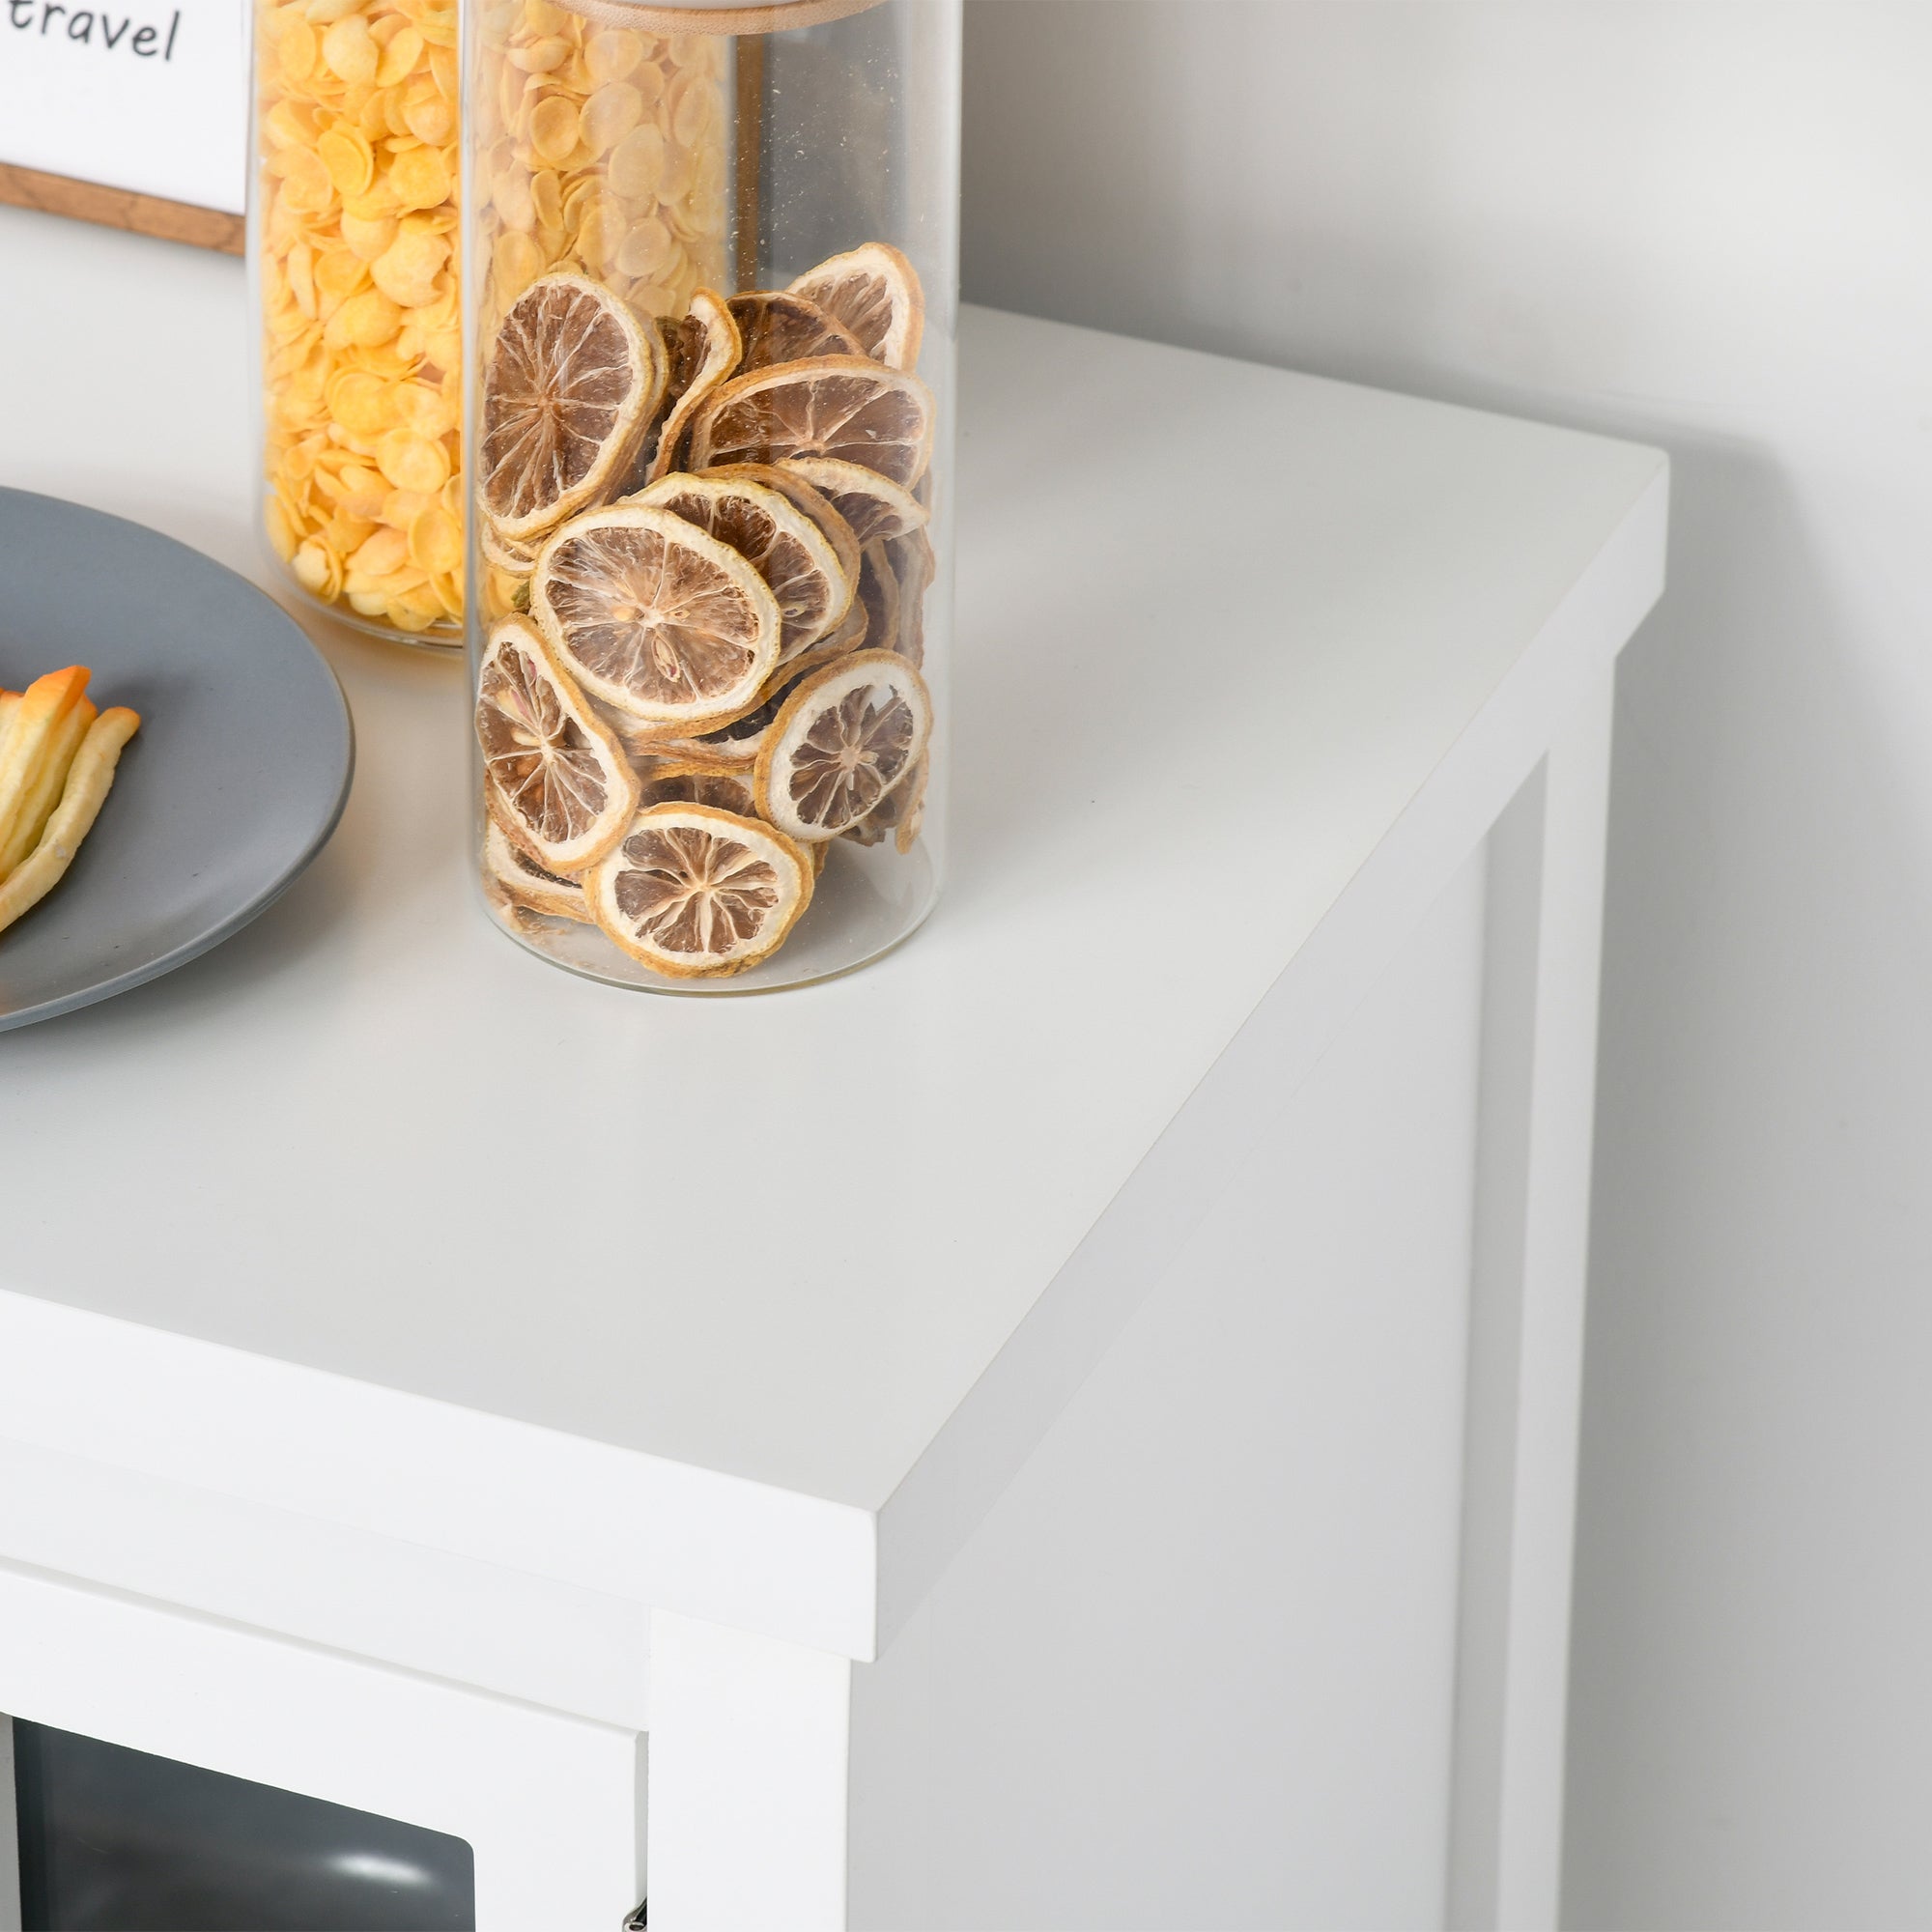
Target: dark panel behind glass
{"points": [[115, 1840]]}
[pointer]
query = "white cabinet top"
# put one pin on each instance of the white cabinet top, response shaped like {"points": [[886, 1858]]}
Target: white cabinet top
{"points": [[1245, 663]]}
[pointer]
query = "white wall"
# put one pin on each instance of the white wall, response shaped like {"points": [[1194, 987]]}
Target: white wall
{"points": [[1706, 223]]}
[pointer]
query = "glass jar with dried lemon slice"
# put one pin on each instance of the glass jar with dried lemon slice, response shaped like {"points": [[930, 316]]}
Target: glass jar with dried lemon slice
{"points": [[713, 289], [356, 249]]}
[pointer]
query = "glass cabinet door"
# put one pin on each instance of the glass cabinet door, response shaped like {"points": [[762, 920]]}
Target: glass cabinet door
{"points": [[117, 1841]]}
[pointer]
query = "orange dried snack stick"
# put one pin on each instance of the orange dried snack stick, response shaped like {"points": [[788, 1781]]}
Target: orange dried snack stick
{"points": [[43, 792], [42, 705], [87, 786]]}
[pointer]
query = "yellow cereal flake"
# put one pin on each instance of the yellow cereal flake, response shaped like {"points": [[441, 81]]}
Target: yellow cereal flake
{"points": [[540, 56], [516, 262], [407, 270], [611, 113], [350, 161], [295, 52], [348, 50], [402, 55], [317, 570], [554, 127], [363, 321], [365, 239], [281, 528], [385, 551], [362, 403], [638, 163], [339, 275], [422, 408], [547, 198], [306, 189], [414, 462], [419, 178], [431, 119], [435, 542]]}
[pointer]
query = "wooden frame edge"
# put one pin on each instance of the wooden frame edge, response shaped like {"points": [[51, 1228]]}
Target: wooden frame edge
{"points": [[123, 208]]}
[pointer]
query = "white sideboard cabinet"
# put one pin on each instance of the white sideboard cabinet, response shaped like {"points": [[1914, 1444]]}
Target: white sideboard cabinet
{"points": [[1072, 1426]]}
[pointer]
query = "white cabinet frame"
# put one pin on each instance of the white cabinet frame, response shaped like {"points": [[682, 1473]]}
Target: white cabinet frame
{"points": [[551, 1805], [320, 1465]]}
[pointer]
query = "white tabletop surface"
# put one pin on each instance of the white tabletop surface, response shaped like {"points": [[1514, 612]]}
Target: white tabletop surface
{"points": [[1217, 627]]}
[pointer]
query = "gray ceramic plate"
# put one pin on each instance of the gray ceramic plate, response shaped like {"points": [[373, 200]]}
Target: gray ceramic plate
{"points": [[233, 784]]}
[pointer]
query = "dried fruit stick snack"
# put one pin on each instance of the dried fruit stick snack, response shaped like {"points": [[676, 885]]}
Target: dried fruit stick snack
{"points": [[57, 761]]}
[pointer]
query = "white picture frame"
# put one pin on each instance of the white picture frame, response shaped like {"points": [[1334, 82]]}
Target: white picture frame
{"points": [[132, 112]]}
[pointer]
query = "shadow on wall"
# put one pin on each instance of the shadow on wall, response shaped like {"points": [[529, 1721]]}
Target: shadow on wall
{"points": [[1749, 1667], [1753, 1579]]}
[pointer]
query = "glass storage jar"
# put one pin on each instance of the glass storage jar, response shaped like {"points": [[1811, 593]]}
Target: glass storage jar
{"points": [[714, 257], [353, 244]]}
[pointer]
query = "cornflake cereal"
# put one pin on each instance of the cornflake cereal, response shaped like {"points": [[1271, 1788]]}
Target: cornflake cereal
{"points": [[602, 152], [363, 350]]}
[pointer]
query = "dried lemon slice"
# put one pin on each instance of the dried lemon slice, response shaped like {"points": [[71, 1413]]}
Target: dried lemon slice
{"points": [[512, 555], [879, 593], [694, 892], [656, 617], [874, 505], [851, 636], [554, 775], [898, 812], [914, 565], [847, 735], [776, 538], [875, 291], [735, 744], [702, 351], [516, 879], [781, 327], [906, 835], [839, 406], [681, 782], [801, 494], [570, 379]]}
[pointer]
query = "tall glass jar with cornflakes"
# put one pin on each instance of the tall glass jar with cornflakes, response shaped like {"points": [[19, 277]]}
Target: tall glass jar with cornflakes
{"points": [[714, 285], [356, 249]]}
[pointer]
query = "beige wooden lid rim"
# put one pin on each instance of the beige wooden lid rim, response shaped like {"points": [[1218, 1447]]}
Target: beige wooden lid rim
{"points": [[777, 16]]}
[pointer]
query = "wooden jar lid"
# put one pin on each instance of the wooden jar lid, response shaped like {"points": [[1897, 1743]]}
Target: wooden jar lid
{"points": [[717, 17]]}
